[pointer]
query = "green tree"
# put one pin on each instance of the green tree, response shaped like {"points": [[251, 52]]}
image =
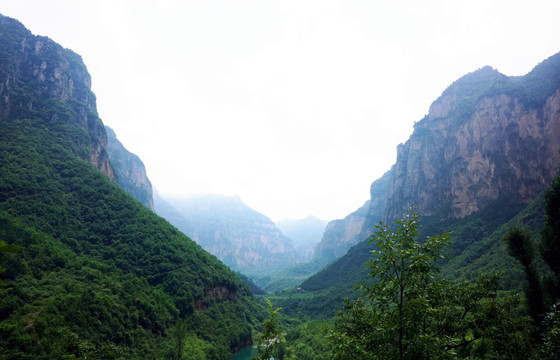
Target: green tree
{"points": [[7, 250], [409, 313], [271, 341], [179, 334], [550, 233], [542, 291], [521, 246], [404, 270]]}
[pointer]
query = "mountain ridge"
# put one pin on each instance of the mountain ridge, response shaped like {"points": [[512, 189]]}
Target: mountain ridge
{"points": [[241, 237], [471, 164]]}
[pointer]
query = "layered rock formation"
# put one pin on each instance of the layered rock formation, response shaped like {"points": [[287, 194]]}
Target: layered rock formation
{"points": [[39, 78], [130, 171], [489, 145], [341, 235], [241, 237], [487, 136]]}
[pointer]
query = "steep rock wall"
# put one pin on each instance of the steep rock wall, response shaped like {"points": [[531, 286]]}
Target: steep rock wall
{"points": [[340, 235], [481, 140], [130, 171], [41, 79]]}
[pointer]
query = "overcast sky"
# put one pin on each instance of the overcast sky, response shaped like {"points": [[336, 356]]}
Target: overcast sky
{"points": [[295, 106]]}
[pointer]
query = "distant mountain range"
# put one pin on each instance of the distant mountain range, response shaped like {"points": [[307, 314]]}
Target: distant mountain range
{"points": [[241, 237], [306, 234]]}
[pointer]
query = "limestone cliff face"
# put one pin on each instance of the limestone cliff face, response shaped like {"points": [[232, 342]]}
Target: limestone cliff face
{"points": [[340, 235], [239, 236], [41, 80], [379, 192], [488, 136], [130, 171]]}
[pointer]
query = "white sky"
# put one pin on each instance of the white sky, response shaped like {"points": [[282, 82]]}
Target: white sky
{"points": [[295, 106]]}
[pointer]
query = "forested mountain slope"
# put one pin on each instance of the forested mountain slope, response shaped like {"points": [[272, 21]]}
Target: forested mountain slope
{"points": [[100, 275]]}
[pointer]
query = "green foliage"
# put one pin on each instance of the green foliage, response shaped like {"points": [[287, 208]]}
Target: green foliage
{"points": [[474, 248], [308, 340], [98, 263], [540, 83], [540, 298], [550, 245], [521, 246], [550, 347], [409, 313], [289, 278], [7, 250], [179, 333], [271, 339], [254, 288]]}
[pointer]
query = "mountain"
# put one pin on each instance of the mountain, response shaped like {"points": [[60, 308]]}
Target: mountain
{"points": [[379, 193], [487, 136], [305, 233], [130, 171], [340, 235], [41, 79], [100, 275], [488, 147], [170, 213], [244, 239]]}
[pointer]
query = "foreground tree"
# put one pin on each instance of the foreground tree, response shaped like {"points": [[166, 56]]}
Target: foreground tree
{"points": [[521, 246], [271, 341], [408, 313], [542, 288], [550, 234]]}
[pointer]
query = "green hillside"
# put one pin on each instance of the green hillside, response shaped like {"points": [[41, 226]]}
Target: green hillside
{"points": [[97, 264], [475, 238], [100, 276]]}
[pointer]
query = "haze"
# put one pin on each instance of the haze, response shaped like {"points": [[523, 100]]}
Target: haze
{"points": [[295, 106]]}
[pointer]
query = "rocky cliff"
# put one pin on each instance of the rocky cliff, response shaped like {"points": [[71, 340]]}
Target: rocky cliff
{"points": [[130, 171], [486, 137], [489, 145], [379, 193], [239, 236], [40, 79], [340, 235]]}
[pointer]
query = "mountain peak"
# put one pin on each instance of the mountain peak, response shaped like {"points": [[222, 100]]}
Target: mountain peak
{"points": [[465, 91]]}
